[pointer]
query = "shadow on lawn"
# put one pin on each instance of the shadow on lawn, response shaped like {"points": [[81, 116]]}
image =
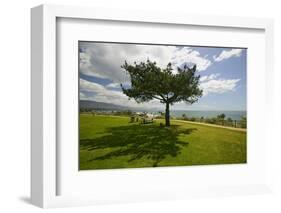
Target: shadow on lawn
{"points": [[139, 141]]}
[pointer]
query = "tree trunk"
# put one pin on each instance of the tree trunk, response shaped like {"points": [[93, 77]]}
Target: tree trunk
{"points": [[167, 114]]}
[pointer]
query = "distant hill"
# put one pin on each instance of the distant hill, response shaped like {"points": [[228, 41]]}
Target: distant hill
{"points": [[101, 106]]}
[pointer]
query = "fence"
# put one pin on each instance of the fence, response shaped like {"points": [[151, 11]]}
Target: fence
{"points": [[228, 123]]}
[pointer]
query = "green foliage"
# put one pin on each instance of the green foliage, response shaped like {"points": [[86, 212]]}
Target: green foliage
{"points": [[221, 116], [126, 112], [148, 81], [85, 110], [229, 120], [211, 120], [243, 122]]}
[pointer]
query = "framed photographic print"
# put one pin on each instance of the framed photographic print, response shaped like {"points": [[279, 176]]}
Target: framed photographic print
{"points": [[129, 106]]}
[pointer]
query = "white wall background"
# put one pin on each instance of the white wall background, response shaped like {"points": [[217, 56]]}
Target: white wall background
{"points": [[15, 103]]}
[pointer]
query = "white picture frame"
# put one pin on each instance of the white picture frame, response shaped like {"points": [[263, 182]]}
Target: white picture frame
{"points": [[44, 155]]}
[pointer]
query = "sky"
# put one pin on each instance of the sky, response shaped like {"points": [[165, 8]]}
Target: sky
{"points": [[222, 71]]}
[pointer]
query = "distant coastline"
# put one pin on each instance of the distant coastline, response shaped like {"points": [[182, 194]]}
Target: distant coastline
{"points": [[234, 115], [100, 106]]}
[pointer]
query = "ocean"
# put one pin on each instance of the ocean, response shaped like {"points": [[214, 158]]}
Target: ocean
{"points": [[234, 115]]}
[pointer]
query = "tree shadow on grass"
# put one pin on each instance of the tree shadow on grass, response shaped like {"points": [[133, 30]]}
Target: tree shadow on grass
{"points": [[139, 141]]}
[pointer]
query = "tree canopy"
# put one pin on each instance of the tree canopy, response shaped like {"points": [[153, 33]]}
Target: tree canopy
{"points": [[148, 81]]}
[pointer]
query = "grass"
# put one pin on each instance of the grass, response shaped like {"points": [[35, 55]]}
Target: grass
{"points": [[108, 142]]}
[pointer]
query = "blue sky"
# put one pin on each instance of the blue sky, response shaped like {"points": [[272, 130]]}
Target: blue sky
{"points": [[222, 71]]}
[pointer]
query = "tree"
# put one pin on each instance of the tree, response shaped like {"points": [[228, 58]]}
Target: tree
{"points": [[229, 120], [221, 118], [243, 121], [148, 82]]}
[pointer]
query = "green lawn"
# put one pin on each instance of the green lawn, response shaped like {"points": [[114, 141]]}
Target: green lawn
{"points": [[112, 142]]}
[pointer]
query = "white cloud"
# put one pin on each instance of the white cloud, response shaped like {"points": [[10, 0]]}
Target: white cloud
{"points": [[117, 85], [190, 56], [228, 54], [113, 85], [104, 60], [209, 77], [211, 84], [96, 92]]}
